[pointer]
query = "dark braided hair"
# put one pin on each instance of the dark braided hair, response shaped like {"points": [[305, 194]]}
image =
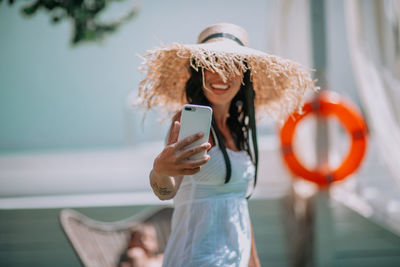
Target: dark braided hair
{"points": [[241, 120]]}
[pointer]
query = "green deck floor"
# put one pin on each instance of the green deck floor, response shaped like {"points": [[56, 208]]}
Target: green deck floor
{"points": [[34, 238]]}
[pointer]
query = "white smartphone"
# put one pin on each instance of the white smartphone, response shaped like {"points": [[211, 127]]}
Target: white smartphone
{"points": [[194, 119]]}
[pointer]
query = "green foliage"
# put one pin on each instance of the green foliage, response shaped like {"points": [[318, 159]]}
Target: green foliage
{"points": [[83, 14]]}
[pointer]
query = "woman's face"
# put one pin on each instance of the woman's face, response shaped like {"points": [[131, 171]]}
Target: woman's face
{"points": [[219, 92]]}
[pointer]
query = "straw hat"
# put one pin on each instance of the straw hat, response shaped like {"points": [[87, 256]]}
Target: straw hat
{"points": [[279, 84]]}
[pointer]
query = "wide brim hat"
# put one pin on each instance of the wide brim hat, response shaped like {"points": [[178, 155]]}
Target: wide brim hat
{"points": [[280, 84]]}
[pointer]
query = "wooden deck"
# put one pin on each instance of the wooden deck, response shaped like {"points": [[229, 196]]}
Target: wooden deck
{"points": [[33, 237]]}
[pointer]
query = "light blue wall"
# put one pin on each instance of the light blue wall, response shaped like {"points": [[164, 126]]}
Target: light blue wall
{"points": [[53, 96]]}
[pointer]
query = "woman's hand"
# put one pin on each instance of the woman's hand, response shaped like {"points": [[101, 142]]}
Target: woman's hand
{"points": [[172, 163], [173, 160]]}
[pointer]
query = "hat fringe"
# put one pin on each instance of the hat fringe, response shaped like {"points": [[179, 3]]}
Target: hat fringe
{"points": [[280, 84]]}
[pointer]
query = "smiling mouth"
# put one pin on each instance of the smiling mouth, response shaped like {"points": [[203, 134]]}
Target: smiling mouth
{"points": [[220, 86]]}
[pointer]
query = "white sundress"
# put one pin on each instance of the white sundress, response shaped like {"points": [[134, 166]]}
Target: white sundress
{"points": [[211, 223]]}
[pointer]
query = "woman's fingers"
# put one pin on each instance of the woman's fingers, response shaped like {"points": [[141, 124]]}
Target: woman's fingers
{"points": [[173, 136], [188, 140], [174, 159], [186, 153], [187, 167], [191, 164], [190, 171]]}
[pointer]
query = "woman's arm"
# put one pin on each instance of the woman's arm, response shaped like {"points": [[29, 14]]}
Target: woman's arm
{"points": [[172, 163], [254, 260], [165, 187]]}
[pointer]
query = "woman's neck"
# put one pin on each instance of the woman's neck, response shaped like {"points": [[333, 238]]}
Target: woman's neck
{"points": [[221, 114]]}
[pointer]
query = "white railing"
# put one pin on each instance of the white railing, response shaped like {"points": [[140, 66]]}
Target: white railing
{"points": [[106, 177]]}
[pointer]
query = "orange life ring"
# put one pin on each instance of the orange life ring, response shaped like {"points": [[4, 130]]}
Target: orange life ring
{"points": [[327, 104]]}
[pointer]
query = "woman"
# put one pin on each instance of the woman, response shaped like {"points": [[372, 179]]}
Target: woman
{"points": [[211, 224]]}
